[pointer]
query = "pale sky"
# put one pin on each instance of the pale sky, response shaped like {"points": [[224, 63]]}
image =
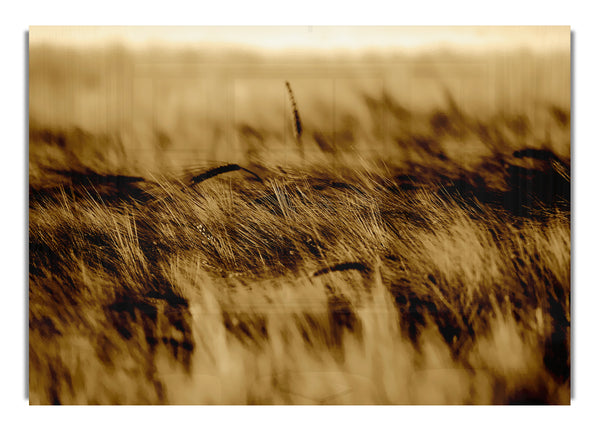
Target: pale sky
{"points": [[407, 39]]}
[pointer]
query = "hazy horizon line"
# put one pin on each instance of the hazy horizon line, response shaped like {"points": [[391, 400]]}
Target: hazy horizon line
{"points": [[355, 40]]}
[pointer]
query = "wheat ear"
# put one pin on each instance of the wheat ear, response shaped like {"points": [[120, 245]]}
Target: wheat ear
{"points": [[296, 116]]}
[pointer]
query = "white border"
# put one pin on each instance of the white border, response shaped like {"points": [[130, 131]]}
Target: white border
{"points": [[15, 21]]}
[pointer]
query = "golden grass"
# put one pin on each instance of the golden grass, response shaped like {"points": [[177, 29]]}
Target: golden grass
{"points": [[396, 261]]}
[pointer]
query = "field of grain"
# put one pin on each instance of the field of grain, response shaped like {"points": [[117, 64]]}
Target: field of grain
{"points": [[405, 240]]}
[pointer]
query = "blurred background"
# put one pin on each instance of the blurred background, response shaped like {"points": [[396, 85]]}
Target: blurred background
{"points": [[138, 99]]}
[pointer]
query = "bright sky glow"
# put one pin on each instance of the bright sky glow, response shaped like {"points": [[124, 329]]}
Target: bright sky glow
{"points": [[407, 39]]}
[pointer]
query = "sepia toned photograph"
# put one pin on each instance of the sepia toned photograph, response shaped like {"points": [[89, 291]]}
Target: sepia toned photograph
{"points": [[299, 215]]}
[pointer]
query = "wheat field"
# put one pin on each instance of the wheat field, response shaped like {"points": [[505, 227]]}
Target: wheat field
{"points": [[233, 228]]}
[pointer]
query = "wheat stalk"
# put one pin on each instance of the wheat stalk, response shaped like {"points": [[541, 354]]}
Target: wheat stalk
{"points": [[218, 171], [297, 124], [359, 266]]}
